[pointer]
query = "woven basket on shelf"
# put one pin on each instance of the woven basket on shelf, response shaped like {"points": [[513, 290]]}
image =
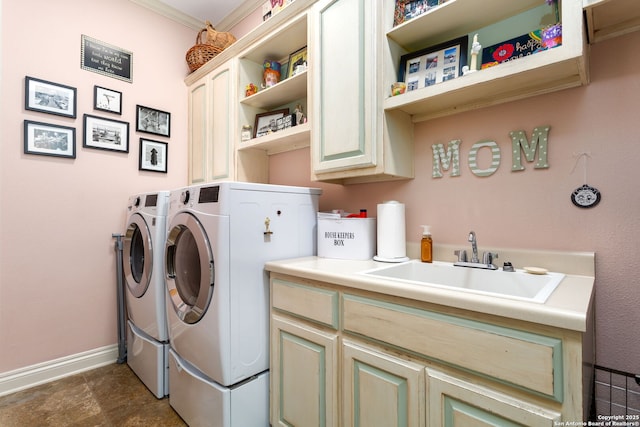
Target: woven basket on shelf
{"points": [[217, 38], [200, 53]]}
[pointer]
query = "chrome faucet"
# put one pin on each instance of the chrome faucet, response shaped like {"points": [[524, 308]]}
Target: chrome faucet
{"points": [[487, 257], [474, 247]]}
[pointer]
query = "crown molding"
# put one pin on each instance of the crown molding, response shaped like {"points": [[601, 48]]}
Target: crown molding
{"points": [[238, 14], [171, 13], [225, 24]]}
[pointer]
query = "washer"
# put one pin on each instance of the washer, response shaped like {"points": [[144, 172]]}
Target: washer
{"points": [[219, 237], [143, 265]]}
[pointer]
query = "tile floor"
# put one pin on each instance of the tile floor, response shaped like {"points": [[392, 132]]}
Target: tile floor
{"points": [[110, 396]]}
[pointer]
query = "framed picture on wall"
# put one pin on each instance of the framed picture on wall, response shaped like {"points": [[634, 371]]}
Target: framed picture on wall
{"points": [[105, 134], [49, 140], [107, 100], [153, 155], [150, 120], [433, 65], [49, 97]]}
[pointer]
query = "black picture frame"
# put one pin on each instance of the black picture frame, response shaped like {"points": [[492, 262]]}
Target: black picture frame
{"points": [[48, 97], [108, 100], [106, 59], [46, 139], [105, 134], [433, 65], [154, 155], [153, 121], [267, 123]]}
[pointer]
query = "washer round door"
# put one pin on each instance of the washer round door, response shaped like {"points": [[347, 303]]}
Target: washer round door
{"points": [[138, 256], [189, 268]]}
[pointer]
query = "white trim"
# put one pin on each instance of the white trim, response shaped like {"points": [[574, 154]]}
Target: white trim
{"points": [[45, 372], [229, 21], [238, 14], [171, 13]]}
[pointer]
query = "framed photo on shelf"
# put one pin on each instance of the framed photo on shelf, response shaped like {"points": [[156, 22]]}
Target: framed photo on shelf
{"points": [[150, 120], [105, 134], [153, 155], [409, 9], [49, 140], [49, 97], [297, 59], [267, 123], [107, 100], [433, 65]]}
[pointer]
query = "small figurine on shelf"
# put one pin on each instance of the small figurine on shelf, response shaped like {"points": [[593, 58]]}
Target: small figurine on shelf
{"points": [[250, 89], [300, 118], [475, 50], [552, 34], [271, 74]]}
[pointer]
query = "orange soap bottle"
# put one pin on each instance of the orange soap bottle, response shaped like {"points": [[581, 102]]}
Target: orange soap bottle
{"points": [[426, 245]]}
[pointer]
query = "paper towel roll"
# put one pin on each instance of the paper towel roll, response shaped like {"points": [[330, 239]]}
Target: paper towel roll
{"points": [[392, 245]]}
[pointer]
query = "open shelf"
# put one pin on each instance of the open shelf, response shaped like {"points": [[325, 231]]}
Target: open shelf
{"points": [[540, 73], [293, 138], [546, 71], [453, 19], [294, 87], [611, 18]]}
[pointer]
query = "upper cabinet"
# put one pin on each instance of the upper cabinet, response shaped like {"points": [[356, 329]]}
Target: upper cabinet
{"points": [[211, 126], [353, 139], [356, 130], [220, 110], [546, 71], [611, 18]]}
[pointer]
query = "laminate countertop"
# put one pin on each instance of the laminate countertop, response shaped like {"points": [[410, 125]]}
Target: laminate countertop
{"points": [[568, 307]]}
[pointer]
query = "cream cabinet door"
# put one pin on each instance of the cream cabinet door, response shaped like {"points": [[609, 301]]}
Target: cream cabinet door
{"points": [[304, 372], [344, 125], [211, 126], [380, 389], [353, 139], [198, 135], [453, 402]]}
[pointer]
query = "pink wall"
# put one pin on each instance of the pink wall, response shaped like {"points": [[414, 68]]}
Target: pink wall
{"points": [[57, 263], [531, 209]]}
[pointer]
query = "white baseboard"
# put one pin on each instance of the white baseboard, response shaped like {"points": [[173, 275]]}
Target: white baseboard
{"points": [[45, 372]]}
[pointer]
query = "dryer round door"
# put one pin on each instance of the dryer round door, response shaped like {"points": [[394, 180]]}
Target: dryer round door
{"points": [[189, 268], [137, 255]]}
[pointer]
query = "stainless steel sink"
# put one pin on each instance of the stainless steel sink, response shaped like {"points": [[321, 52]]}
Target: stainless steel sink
{"points": [[515, 285]]}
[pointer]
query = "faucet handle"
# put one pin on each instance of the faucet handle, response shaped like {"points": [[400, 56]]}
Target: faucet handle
{"points": [[487, 257], [462, 255]]}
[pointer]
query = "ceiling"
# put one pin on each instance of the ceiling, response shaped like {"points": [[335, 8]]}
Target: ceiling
{"points": [[223, 14]]}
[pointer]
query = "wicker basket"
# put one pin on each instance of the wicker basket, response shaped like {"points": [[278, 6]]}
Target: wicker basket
{"points": [[218, 39], [201, 53]]}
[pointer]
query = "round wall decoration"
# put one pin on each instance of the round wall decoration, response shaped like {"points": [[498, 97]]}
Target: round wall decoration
{"points": [[585, 196]]}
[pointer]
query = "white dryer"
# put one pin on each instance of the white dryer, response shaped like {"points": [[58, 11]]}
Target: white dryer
{"points": [[219, 237], [143, 266]]}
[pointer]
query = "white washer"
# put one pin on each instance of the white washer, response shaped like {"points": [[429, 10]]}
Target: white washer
{"points": [[219, 237], [143, 265]]}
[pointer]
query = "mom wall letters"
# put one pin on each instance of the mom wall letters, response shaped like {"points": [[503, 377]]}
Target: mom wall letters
{"points": [[449, 158]]}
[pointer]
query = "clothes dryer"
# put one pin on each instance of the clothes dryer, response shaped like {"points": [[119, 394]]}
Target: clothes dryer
{"points": [[143, 266], [219, 237]]}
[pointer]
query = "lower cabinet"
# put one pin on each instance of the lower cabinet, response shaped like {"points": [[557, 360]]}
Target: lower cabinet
{"points": [[453, 402], [356, 358], [304, 365], [379, 389]]}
